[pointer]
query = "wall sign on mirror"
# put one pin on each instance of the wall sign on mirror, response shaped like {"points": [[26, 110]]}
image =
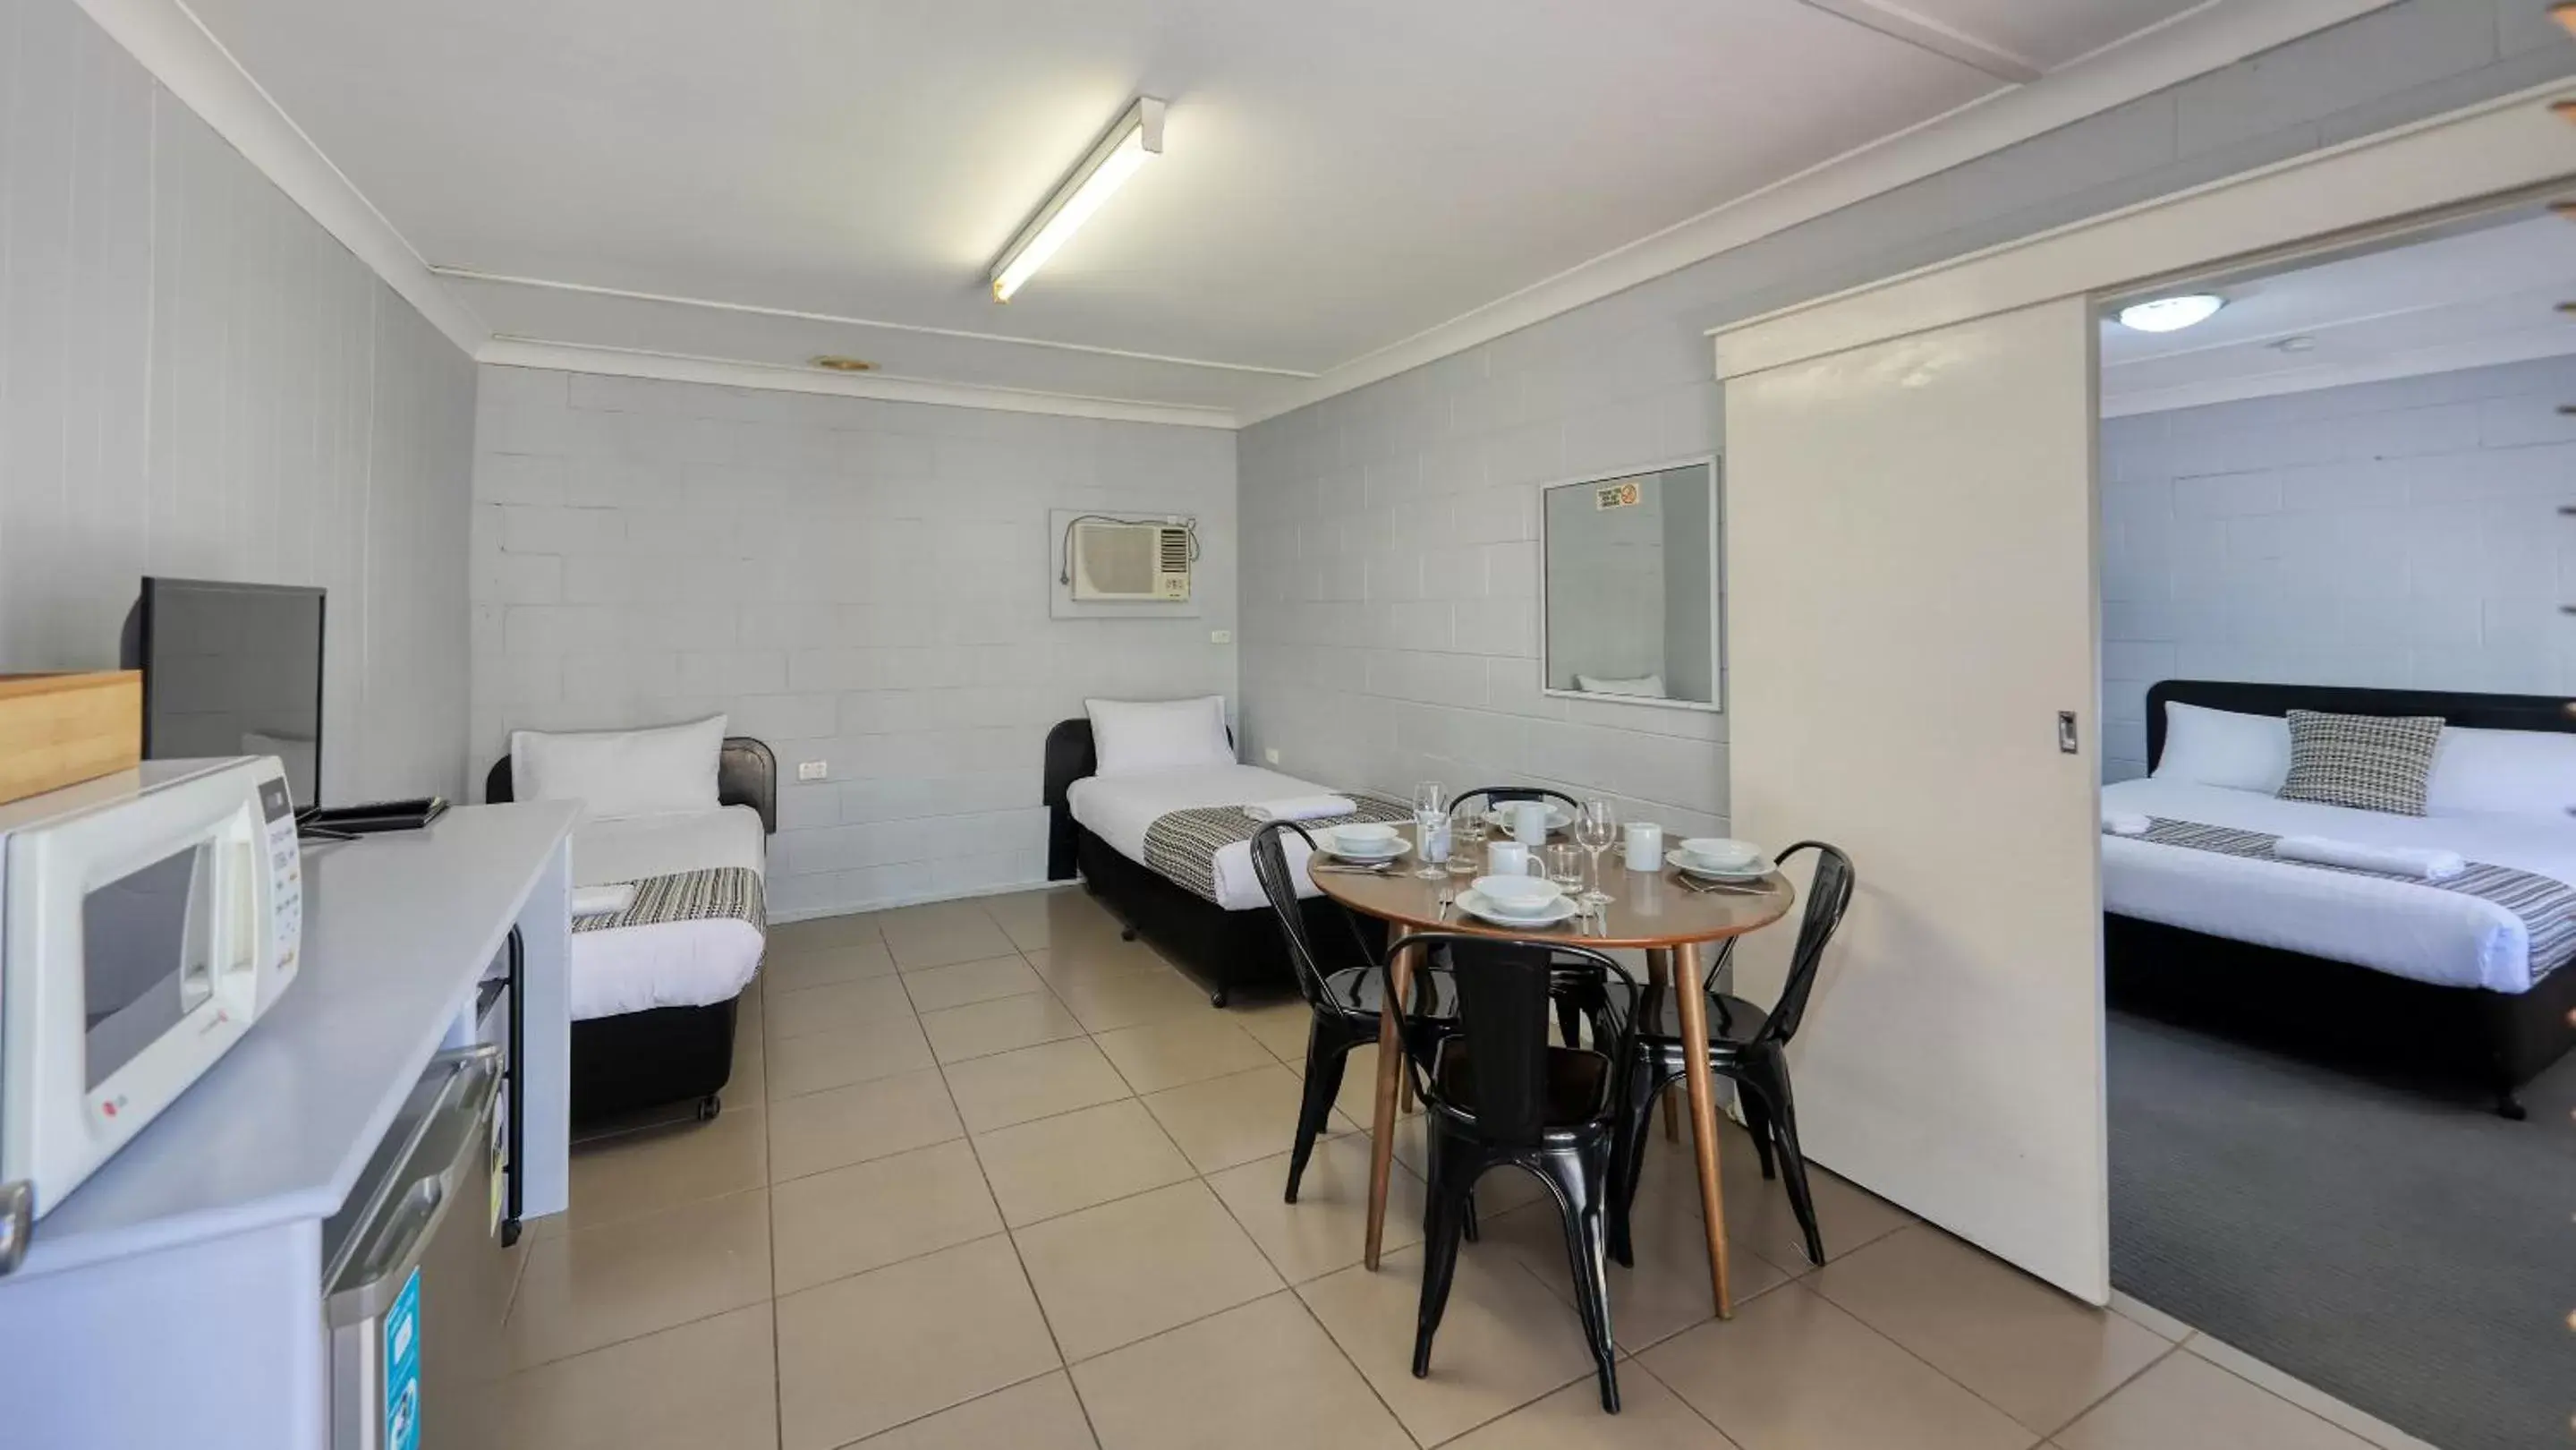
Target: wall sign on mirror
{"points": [[1629, 570]]}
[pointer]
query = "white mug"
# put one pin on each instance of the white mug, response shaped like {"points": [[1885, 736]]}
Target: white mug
{"points": [[1529, 822], [1645, 846], [1512, 858]]}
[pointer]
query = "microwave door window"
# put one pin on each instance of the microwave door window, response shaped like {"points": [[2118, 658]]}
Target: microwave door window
{"points": [[147, 946]]}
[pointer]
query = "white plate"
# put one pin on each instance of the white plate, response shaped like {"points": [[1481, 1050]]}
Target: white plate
{"points": [[1753, 870], [1369, 858], [1473, 902], [1558, 817]]}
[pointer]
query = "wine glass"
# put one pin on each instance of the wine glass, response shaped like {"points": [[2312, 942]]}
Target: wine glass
{"points": [[1594, 830], [1430, 819]]}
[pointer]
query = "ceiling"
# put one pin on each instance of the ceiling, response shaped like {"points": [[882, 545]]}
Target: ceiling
{"points": [[761, 181], [2468, 298]]}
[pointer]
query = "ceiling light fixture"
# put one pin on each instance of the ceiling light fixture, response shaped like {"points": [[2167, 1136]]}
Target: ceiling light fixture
{"points": [[2171, 314], [833, 362], [1121, 151]]}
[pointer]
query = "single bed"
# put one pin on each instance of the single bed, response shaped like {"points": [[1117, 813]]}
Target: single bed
{"points": [[1097, 829], [2398, 973], [653, 1006]]}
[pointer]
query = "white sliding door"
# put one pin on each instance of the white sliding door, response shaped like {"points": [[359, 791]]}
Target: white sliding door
{"points": [[1911, 595]]}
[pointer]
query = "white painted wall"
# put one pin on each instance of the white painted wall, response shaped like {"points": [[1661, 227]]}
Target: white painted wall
{"points": [[2397, 534], [858, 582], [196, 380], [1388, 531]]}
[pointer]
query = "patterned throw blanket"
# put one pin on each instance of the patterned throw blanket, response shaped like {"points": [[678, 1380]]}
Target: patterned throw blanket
{"points": [[1182, 845], [718, 891], [2547, 906]]}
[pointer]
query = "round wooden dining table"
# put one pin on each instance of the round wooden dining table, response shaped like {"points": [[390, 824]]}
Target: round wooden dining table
{"points": [[1654, 910]]}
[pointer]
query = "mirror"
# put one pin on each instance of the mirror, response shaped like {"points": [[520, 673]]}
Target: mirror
{"points": [[1631, 586]]}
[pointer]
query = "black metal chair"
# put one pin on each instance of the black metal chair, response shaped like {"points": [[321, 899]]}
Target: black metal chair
{"points": [[1495, 795], [1345, 1001], [1495, 1091], [1747, 1046]]}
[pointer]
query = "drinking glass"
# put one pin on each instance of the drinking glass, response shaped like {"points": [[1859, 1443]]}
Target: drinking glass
{"points": [[1466, 845], [1430, 815], [1594, 830], [1565, 868]]}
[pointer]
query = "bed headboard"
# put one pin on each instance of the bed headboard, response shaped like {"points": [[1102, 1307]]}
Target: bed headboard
{"points": [[746, 775], [1070, 755], [2482, 712]]}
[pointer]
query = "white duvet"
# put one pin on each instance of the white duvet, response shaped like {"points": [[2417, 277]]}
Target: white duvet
{"points": [[674, 963], [1119, 808], [2408, 929]]}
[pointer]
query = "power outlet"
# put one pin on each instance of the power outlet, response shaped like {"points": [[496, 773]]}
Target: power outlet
{"points": [[1271, 756], [1220, 636], [813, 770]]}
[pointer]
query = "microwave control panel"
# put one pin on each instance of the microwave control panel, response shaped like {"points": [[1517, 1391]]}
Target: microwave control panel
{"points": [[286, 880]]}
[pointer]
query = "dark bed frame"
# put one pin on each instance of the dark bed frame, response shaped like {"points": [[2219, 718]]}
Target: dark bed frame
{"points": [[2352, 1014], [664, 1055], [1225, 949]]}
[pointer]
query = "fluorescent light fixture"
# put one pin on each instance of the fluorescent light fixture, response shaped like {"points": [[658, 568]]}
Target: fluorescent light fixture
{"points": [[1120, 153], [2171, 314]]}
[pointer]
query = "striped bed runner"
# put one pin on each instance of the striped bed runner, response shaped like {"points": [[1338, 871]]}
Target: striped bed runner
{"points": [[1182, 845], [718, 891], [2547, 906]]}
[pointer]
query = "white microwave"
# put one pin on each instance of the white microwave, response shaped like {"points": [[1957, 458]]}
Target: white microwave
{"points": [[146, 920]]}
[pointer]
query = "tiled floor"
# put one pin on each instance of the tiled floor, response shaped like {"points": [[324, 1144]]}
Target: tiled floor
{"points": [[989, 1176]]}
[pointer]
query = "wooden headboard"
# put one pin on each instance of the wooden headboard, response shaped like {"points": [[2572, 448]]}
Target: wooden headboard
{"points": [[746, 775], [2482, 712]]}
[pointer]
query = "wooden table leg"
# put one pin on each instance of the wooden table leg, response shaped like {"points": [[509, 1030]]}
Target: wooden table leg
{"points": [[1390, 1071], [1659, 974], [1703, 1110]]}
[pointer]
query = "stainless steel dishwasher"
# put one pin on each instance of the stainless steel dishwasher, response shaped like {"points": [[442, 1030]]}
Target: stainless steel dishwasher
{"points": [[417, 1279]]}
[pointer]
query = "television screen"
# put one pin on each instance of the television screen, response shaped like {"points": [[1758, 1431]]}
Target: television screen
{"points": [[232, 669]]}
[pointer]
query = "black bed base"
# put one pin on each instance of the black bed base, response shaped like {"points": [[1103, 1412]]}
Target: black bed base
{"points": [[1224, 949], [650, 1059], [2351, 1016]]}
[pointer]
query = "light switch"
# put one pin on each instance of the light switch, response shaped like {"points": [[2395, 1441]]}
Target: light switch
{"points": [[1220, 636], [1272, 756], [813, 769]]}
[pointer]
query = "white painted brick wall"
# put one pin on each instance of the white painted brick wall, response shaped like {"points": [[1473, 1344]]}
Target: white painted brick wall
{"points": [[852, 581], [2397, 534]]}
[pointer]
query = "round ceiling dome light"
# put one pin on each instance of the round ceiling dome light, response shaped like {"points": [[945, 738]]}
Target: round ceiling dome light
{"points": [[832, 362], [2171, 314]]}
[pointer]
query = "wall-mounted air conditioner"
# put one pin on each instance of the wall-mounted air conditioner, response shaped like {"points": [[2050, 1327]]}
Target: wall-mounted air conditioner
{"points": [[1112, 561]]}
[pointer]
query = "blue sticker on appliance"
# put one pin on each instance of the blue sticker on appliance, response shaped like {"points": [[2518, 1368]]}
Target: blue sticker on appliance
{"points": [[402, 1368]]}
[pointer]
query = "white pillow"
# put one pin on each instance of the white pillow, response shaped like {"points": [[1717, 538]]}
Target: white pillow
{"points": [[1644, 687], [1132, 737], [2222, 747], [2514, 772], [621, 772]]}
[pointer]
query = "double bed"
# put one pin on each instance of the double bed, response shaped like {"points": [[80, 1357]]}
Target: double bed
{"points": [[2451, 978]]}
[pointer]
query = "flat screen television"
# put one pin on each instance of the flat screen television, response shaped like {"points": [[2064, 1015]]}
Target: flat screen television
{"points": [[231, 669]]}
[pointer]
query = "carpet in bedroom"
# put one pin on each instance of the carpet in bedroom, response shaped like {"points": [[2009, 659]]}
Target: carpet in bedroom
{"points": [[2407, 1252]]}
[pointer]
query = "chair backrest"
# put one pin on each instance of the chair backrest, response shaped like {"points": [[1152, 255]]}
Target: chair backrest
{"points": [[1828, 896], [1502, 991], [1270, 868], [1496, 795]]}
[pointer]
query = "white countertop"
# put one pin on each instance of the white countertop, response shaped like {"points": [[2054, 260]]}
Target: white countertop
{"points": [[398, 929]]}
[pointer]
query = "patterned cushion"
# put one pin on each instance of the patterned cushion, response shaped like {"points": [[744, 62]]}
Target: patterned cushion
{"points": [[2367, 762]]}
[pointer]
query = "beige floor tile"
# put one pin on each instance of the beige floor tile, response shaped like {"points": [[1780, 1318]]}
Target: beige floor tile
{"points": [[1792, 1369], [1190, 1049], [933, 988], [1279, 1026], [1033, 919], [791, 969], [1038, 1414], [1650, 1417], [2147, 1316], [2035, 1353], [850, 1220], [941, 933], [1504, 1340], [1056, 1165], [1226, 1121], [749, 1083], [2187, 1401], [876, 1350], [1118, 1272], [1757, 1210], [840, 1007], [650, 1169], [1111, 998], [854, 1124], [750, 1027], [1096, 954], [602, 1285], [1666, 1293], [1326, 1229], [1034, 1082], [824, 931], [710, 1384], [845, 1055], [2302, 1394], [1005, 1024], [1253, 1378]]}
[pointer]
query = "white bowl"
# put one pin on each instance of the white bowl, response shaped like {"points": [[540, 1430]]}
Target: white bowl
{"points": [[1721, 852], [1519, 895], [1364, 840]]}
